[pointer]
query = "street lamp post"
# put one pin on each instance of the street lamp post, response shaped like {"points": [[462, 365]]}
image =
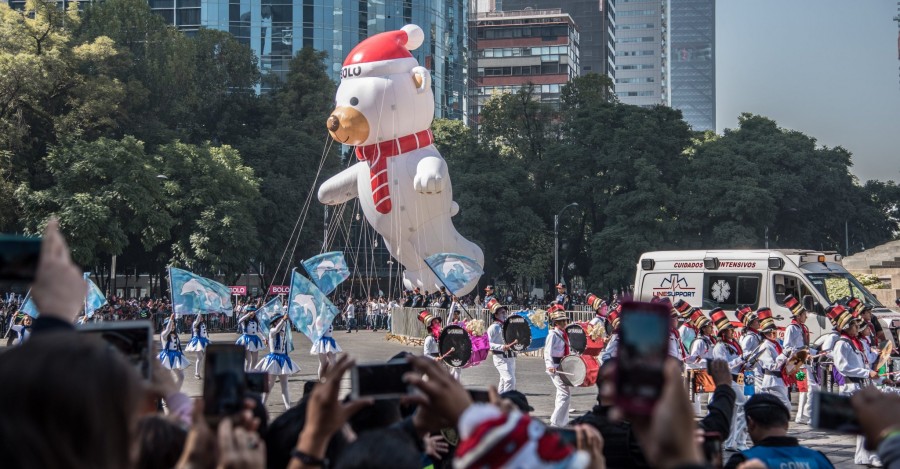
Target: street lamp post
{"points": [[556, 242]]}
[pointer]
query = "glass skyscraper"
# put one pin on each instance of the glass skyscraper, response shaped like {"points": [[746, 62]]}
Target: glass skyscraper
{"points": [[278, 29], [641, 62], [692, 30]]}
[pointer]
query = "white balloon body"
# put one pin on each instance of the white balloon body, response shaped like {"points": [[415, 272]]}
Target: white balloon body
{"points": [[421, 195]]}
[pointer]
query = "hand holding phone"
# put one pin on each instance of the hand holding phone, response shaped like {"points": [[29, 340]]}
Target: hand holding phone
{"points": [[224, 383], [380, 380], [132, 338], [834, 412], [644, 345]]}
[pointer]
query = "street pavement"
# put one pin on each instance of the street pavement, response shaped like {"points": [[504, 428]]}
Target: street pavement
{"points": [[368, 346]]}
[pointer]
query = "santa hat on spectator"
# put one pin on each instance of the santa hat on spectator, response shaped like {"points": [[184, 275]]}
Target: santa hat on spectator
{"points": [[384, 54], [745, 315], [490, 438], [794, 305]]}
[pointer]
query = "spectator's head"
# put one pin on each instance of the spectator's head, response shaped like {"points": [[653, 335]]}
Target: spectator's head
{"points": [[281, 437], [64, 410], [766, 416], [381, 449], [161, 443], [519, 399], [381, 414]]}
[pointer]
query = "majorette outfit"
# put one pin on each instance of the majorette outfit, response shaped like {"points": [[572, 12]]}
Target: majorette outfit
{"points": [[277, 362], [171, 355], [504, 360], [796, 338], [250, 333], [22, 331], [555, 349], [326, 344], [732, 353], [199, 336]]}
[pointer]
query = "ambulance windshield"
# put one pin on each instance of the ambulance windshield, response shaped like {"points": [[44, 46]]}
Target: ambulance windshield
{"points": [[840, 287]]}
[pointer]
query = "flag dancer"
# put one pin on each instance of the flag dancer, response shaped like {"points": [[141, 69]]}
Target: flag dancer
{"points": [[198, 343], [278, 363], [171, 355], [327, 349], [250, 339]]}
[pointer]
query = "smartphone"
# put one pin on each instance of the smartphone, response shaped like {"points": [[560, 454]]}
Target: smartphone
{"points": [[224, 381], [380, 380], [133, 338], [257, 381], [712, 448], [643, 348], [479, 395], [567, 435], [834, 412], [19, 258]]}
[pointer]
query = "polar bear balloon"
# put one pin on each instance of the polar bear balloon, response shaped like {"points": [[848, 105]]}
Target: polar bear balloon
{"points": [[385, 107]]}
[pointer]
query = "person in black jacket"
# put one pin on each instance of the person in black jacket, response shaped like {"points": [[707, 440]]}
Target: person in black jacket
{"points": [[621, 448]]}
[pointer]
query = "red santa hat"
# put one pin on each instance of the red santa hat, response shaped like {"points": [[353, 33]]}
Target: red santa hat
{"points": [[384, 54]]}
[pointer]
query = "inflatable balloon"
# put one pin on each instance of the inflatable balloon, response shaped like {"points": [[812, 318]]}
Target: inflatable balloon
{"points": [[385, 107]]}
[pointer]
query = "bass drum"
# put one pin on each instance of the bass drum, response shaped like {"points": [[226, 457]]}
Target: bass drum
{"points": [[516, 331], [456, 345], [579, 370], [577, 338]]}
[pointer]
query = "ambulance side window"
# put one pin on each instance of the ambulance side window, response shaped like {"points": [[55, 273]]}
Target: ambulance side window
{"points": [[730, 290], [784, 285]]}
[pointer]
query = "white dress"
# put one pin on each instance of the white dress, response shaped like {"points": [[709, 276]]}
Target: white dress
{"points": [[277, 362], [171, 355], [250, 334], [326, 344], [199, 338], [22, 334]]}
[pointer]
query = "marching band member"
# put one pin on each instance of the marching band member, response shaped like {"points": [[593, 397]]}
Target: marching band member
{"points": [[327, 349], [278, 363], [676, 346], [687, 331], [701, 349], [851, 361], [22, 330], [600, 309], [171, 355], [199, 341], [431, 348], [611, 349], [728, 350], [555, 349], [772, 359], [504, 358], [249, 338], [750, 342], [796, 338]]}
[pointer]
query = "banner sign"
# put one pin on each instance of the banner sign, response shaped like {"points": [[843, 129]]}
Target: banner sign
{"points": [[279, 289], [239, 290]]}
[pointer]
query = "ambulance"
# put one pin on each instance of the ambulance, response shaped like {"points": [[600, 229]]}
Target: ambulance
{"points": [[729, 278]]}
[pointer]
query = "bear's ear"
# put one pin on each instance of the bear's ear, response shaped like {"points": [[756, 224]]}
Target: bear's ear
{"points": [[421, 78]]}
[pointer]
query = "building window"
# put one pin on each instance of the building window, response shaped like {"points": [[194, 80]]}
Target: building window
{"points": [[626, 40], [636, 80], [621, 14]]}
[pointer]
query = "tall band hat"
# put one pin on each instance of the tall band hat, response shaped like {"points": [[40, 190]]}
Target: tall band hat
{"points": [[698, 320], [557, 313], [839, 316], [426, 317], [683, 308], [664, 300], [614, 318], [594, 301], [745, 315], [494, 306], [766, 321], [720, 319], [857, 307], [794, 305]]}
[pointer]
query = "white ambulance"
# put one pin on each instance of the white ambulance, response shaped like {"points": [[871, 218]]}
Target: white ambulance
{"points": [[728, 278]]}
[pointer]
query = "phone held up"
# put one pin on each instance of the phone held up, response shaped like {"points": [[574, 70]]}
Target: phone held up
{"points": [[643, 348], [133, 338], [18, 260], [834, 412], [224, 381], [380, 380]]}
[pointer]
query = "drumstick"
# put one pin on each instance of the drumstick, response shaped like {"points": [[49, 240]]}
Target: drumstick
{"points": [[564, 373], [452, 349]]}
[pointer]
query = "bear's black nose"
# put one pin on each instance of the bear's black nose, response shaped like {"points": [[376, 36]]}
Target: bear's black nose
{"points": [[333, 123]]}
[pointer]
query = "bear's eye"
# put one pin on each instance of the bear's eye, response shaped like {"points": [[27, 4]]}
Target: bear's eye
{"points": [[354, 101]]}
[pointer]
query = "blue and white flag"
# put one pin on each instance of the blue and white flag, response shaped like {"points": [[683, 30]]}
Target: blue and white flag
{"points": [[94, 299], [327, 270], [28, 306], [308, 308], [193, 294], [454, 270], [265, 314]]}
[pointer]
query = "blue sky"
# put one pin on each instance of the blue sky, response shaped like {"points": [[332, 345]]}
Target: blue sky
{"points": [[827, 68]]}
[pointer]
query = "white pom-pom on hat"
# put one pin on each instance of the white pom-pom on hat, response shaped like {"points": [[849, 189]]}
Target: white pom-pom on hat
{"points": [[414, 36]]}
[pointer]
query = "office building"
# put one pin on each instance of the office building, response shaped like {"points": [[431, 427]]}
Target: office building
{"points": [[692, 62], [515, 48], [277, 29], [596, 22], [641, 42]]}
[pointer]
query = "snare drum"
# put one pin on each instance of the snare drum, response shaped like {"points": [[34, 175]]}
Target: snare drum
{"points": [[517, 332], [481, 347], [594, 347], [577, 337], [579, 370], [456, 345]]}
